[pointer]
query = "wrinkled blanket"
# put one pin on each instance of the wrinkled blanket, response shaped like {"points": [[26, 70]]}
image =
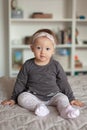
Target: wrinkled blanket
{"points": [[18, 118]]}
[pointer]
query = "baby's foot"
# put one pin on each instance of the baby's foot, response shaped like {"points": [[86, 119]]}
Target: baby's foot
{"points": [[70, 112], [41, 110]]}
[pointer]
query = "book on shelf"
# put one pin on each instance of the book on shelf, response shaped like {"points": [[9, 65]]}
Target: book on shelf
{"points": [[65, 36], [17, 59]]}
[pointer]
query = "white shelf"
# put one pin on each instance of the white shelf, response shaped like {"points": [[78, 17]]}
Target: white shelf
{"points": [[40, 20], [81, 20], [81, 46], [20, 46], [64, 46], [14, 73], [67, 70], [82, 69]]}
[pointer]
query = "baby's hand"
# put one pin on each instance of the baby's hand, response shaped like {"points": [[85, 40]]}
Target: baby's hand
{"points": [[8, 102], [77, 103]]}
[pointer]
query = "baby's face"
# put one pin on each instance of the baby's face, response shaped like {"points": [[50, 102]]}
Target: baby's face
{"points": [[43, 49]]}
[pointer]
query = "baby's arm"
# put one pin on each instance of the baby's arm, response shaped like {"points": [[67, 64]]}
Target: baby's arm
{"points": [[77, 103], [8, 102]]}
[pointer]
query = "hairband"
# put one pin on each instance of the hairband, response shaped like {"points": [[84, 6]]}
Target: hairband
{"points": [[41, 34]]}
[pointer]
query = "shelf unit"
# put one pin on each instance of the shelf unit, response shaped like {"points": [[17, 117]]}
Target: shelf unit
{"points": [[81, 25], [65, 13]]}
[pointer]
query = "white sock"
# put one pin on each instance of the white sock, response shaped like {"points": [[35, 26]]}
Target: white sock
{"points": [[41, 110], [70, 112]]}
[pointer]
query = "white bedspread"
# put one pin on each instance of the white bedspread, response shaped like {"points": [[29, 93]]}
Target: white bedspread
{"points": [[18, 118]]}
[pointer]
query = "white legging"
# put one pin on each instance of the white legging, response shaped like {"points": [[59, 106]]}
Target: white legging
{"points": [[30, 101]]}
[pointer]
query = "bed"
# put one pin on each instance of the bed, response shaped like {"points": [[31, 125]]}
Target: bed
{"points": [[18, 118]]}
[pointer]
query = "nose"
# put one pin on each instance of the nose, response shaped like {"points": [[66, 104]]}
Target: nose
{"points": [[42, 51]]}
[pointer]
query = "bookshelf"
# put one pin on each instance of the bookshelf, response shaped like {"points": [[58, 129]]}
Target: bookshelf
{"points": [[81, 25], [66, 18]]}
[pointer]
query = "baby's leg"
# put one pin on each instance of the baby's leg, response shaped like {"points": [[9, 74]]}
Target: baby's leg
{"points": [[64, 107], [32, 103]]}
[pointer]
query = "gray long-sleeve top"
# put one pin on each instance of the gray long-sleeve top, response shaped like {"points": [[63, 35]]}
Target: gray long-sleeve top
{"points": [[43, 81]]}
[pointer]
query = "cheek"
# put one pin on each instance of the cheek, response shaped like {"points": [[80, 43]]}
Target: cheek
{"points": [[36, 53]]}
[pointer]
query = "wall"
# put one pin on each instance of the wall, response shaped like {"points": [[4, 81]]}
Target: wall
{"points": [[3, 37]]}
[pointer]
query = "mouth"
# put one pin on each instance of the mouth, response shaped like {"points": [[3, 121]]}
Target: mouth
{"points": [[42, 56]]}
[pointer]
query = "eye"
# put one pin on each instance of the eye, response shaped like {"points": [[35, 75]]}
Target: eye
{"points": [[47, 48], [38, 47]]}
